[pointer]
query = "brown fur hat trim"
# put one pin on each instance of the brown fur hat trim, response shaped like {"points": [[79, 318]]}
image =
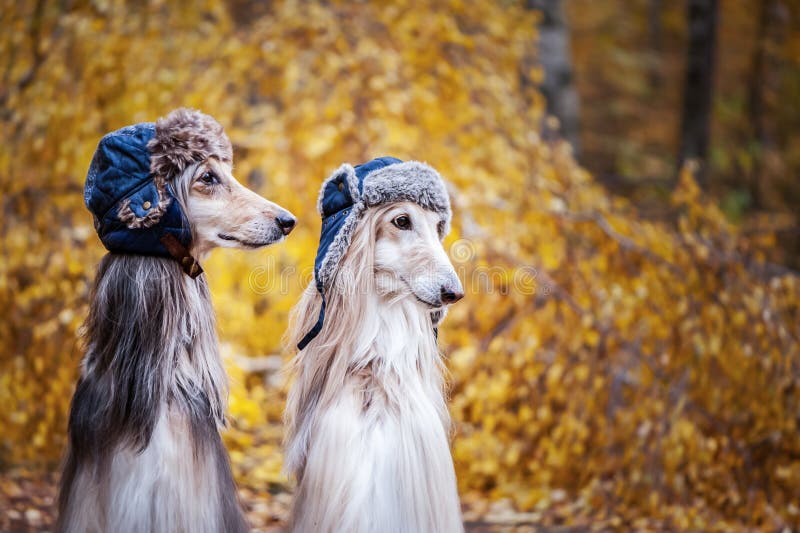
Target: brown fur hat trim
{"points": [[183, 137]]}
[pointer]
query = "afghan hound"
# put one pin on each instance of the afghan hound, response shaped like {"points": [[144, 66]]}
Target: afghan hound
{"points": [[145, 452], [367, 421]]}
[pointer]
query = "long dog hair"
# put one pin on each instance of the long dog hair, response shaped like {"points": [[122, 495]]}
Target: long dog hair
{"points": [[145, 453], [367, 423]]}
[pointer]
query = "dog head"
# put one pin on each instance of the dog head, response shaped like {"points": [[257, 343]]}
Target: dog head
{"points": [[192, 150], [223, 212], [409, 259]]}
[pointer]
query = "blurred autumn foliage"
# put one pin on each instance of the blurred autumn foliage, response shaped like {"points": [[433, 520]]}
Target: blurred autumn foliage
{"points": [[630, 56], [608, 368]]}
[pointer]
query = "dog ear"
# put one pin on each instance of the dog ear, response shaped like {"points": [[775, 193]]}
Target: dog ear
{"points": [[183, 137]]}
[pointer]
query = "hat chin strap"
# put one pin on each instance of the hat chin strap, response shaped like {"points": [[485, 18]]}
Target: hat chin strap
{"points": [[316, 328], [181, 254]]}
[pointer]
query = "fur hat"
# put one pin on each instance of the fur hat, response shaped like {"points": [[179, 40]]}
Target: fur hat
{"points": [[349, 192], [129, 186]]}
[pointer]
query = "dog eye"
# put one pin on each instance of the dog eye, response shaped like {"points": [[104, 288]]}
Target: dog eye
{"points": [[208, 178], [402, 222]]}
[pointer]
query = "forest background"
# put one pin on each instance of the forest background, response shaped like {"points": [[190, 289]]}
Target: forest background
{"points": [[624, 176]]}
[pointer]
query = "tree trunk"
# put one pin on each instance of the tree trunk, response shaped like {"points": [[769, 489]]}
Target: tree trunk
{"points": [[698, 86], [656, 33], [755, 100], [755, 97], [558, 87]]}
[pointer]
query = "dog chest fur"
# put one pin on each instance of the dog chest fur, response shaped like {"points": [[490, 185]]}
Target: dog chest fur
{"points": [[162, 488], [145, 452], [378, 456]]}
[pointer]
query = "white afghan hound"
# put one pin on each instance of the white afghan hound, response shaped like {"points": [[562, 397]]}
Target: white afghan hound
{"points": [[145, 453], [368, 426]]}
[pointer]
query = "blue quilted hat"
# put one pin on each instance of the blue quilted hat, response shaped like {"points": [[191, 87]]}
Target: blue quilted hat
{"points": [[348, 192], [129, 187]]}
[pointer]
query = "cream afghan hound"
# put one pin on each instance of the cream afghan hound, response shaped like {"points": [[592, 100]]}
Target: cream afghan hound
{"points": [[368, 426], [145, 453]]}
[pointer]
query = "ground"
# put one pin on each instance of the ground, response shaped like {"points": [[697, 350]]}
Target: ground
{"points": [[27, 504]]}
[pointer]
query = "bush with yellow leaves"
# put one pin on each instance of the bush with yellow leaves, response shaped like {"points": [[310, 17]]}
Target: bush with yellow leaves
{"points": [[635, 368]]}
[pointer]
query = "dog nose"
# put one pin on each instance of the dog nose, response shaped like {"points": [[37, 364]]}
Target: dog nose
{"points": [[286, 222], [451, 295]]}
